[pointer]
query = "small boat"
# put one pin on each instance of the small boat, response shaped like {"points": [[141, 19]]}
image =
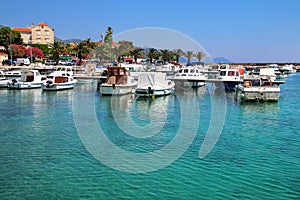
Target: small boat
{"points": [[258, 89], [3, 81], [118, 82], [153, 84], [30, 79], [228, 78], [59, 80], [190, 77]]}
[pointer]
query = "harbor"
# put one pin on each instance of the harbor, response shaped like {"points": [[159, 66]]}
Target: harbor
{"points": [[40, 145]]}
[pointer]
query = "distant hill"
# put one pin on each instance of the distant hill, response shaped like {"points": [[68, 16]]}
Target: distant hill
{"points": [[221, 60], [73, 40]]}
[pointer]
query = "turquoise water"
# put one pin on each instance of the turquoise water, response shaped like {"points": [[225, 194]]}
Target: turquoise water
{"points": [[43, 156]]}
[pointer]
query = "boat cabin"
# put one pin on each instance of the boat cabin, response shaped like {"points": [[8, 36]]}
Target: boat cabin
{"points": [[117, 75]]}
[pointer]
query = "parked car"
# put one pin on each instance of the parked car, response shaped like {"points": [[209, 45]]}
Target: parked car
{"points": [[8, 62], [71, 63], [22, 61], [62, 62], [50, 62]]}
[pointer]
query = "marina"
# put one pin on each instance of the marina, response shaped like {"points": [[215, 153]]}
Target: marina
{"points": [[43, 157]]}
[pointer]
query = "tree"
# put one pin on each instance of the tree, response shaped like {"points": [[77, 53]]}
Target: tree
{"points": [[166, 55], [123, 49], [56, 49], [137, 52], [177, 54], [83, 48], [151, 54], [200, 55], [189, 55], [18, 51], [43, 47], [36, 52], [8, 36]]}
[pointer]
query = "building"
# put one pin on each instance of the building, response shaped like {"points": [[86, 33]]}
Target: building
{"points": [[37, 34], [3, 56]]}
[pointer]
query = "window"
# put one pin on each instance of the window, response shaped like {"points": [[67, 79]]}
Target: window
{"points": [[38, 32], [47, 32]]}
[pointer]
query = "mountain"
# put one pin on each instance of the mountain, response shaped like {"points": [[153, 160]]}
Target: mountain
{"points": [[72, 40], [221, 60]]}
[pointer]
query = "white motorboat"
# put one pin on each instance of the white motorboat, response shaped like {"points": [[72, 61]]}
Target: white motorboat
{"points": [[119, 82], [30, 79], [258, 89], [228, 78], [3, 81], [151, 84], [190, 77], [59, 80]]}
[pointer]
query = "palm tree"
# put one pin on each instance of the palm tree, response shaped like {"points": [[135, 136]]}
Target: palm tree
{"points": [[137, 52], [82, 48], [178, 53], [151, 54], [124, 48], [189, 55], [56, 48], [200, 55], [166, 55]]}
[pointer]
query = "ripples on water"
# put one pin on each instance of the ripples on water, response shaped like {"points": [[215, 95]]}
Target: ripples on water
{"points": [[42, 156]]}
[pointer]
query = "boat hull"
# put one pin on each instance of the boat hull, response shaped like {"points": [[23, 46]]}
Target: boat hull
{"points": [[24, 85], [108, 89], [153, 93], [57, 87], [258, 93]]}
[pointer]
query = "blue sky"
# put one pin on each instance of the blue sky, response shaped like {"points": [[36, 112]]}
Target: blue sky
{"points": [[239, 30]]}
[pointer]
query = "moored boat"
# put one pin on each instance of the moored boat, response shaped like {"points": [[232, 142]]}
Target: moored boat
{"points": [[258, 89], [153, 84], [118, 82], [189, 77], [59, 81], [228, 78], [3, 81], [30, 79]]}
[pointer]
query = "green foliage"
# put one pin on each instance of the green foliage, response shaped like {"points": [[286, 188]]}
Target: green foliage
{"points": [[200, 55], [43, 47], [166, 55], [8, 36], [56, 49], [137, 52], [177, 54]]}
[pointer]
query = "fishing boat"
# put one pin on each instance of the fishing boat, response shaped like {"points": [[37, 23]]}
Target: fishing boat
{"points": [[258, 89], [3, 81], [153, 84], [189, 77], [59, 81], [30, 79], [118, 82]]}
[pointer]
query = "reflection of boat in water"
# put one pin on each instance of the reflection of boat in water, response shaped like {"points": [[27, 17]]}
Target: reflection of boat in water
{"points": [[153, 84], [119, 82], [59, 81], [228, 78], [189, 77], [258, 89], [29, 80]]}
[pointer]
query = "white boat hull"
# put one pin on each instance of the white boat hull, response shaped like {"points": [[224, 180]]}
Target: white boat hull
{"points": [[152, 93], [108, 89], [24, 85], [258, 93], [56, 87]]}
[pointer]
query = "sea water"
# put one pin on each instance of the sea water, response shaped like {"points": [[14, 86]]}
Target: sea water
{"points": [[76, 144]]}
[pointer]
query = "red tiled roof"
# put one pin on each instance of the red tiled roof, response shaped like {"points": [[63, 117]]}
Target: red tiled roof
{"points": [[42, 24], [3, 54], [22, 30]]}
